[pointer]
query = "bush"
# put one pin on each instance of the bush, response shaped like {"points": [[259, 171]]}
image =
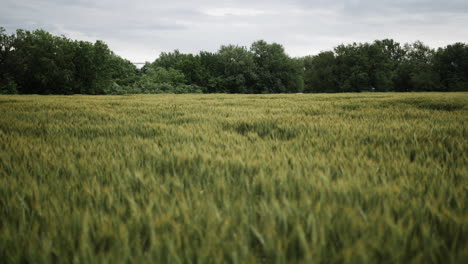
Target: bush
{"points": [[10, 87], [157, 88], [187, 89]]}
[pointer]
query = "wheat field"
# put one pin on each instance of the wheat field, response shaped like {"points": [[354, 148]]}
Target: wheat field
{"points": [[299, 178]]}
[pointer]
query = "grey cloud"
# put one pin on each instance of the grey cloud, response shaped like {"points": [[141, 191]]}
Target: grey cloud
{"points": [[140, 29]]}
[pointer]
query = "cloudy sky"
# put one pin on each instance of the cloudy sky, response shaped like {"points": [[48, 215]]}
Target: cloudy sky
{"points": [[139, 30]]}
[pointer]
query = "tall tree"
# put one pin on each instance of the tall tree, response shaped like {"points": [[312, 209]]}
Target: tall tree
{"points": [[238, 69], [451, 63], [276, 71], [320, 73], [7, 63], [416, 71]]}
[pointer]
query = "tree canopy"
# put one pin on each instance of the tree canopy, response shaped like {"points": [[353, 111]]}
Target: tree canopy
{"points": [[37, 62]]}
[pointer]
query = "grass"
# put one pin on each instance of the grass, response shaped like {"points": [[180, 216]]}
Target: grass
{"points": [[343, 178]]}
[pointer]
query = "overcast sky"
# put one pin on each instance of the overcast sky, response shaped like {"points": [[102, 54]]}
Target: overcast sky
{"points": [[139, 30]]}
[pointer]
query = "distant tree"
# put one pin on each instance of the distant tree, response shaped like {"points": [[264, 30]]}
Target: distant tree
{"points": [[42, 63], [451, 63], [168, 59], [124, 72], [416, 71], [39, 62], [353, 66], [365, 67], [276, 72], [237, 74], [385, 56], [212, 72], [188, 64], [160, 80], [319, 73], [102, 66], [8, 85]]}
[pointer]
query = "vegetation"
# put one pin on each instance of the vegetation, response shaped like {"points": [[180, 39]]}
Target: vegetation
{"points": [[343, 178], [37, 62], [40, 63]]}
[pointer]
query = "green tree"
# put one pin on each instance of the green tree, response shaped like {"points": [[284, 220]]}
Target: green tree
{"points": [[238, 69], [160, 80], [319, 73], [276, 72], [42, 63], [385, 56], [212, 71], [353, 67], [38, 62], [451, 63], [188, 64], [416, 71], [7, 83]]}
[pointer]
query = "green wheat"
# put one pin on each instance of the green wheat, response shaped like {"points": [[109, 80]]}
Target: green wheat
{"points": [[343, 178]]}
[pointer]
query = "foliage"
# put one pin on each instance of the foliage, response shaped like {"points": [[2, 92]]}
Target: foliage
{"points": [[417, 69], [38, 62], [276, 72], [8, 87], [237, 73], [320, 72], [452, 65]]}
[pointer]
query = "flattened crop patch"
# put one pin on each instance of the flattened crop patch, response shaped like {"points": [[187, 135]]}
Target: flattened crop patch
{"points": [[264, 129]]}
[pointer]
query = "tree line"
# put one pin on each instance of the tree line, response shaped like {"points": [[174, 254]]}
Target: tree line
{"points": [[37, 62]]}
